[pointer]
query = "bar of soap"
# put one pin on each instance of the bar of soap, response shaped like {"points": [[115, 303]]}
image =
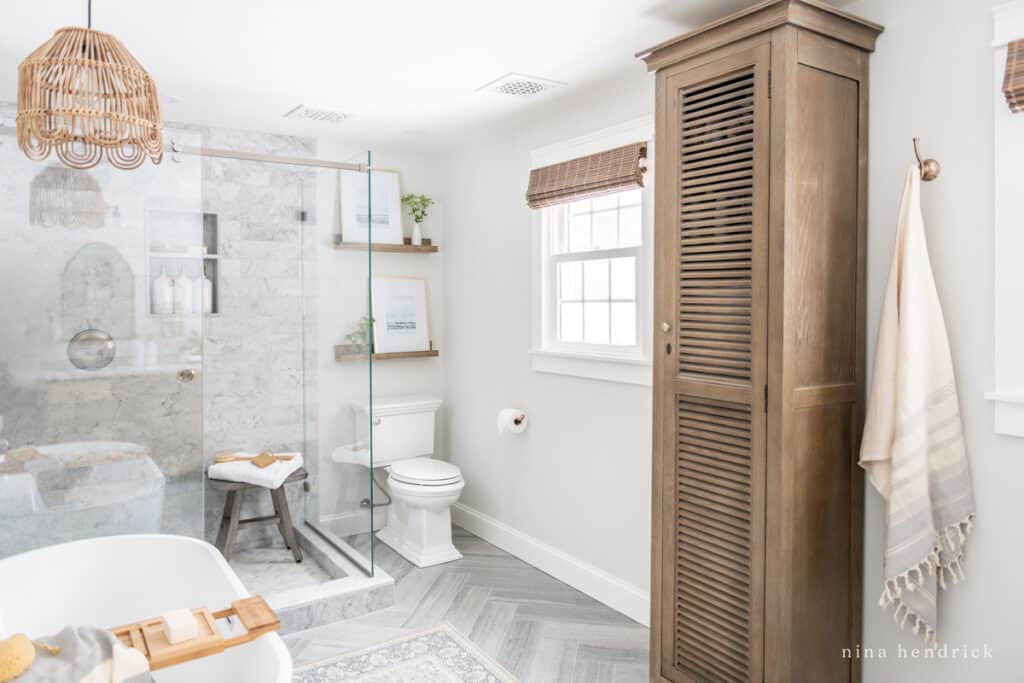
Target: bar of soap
{"points": [[179, 626]]}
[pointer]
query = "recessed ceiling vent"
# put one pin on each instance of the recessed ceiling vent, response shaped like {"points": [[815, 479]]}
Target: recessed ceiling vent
{"points": [[520, 85], [303, 112]]}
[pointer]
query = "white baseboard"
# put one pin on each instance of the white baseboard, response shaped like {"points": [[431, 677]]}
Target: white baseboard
{"points": [[624, 597]]}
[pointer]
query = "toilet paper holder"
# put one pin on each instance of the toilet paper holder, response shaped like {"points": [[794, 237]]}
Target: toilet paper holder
{"points": [[513, 420]]}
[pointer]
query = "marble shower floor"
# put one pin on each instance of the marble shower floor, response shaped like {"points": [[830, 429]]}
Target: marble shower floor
{"points": [[273, 569], [537, 627]]}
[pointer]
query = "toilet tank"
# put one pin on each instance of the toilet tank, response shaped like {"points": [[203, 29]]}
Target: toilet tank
{"points": [[403, 426]]}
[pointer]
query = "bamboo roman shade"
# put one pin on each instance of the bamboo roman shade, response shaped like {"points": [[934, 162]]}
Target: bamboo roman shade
{"points": [[1013, 79], [614, 170]]}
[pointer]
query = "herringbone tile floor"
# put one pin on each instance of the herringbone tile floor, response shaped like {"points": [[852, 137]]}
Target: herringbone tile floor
{"points": [[538, 628]]}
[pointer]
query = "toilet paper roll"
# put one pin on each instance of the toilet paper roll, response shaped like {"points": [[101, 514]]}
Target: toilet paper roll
{"points": [[512, 420]]}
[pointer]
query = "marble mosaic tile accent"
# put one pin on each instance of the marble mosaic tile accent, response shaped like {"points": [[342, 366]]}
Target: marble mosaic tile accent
{"points": [[434, 655]]}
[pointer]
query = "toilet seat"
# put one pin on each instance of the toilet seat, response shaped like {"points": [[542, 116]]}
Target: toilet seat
{"points": [[425, 472]]}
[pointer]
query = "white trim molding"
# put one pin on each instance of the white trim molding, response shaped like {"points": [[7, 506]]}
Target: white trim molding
{"points": [[604, 363], [1008, 202], [638, 129], [1008, 412], [1008, 20], [633, 601], [594, 366]]}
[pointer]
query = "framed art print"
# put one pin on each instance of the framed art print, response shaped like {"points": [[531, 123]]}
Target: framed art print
{"points": [[400, 319], [360, 215]]}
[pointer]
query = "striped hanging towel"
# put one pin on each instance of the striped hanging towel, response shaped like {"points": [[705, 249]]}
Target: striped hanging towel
{"points": [[913, 448]]}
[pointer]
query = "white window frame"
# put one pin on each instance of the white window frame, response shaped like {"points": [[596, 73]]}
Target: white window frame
{"points": [[625, 364], [1008, 393]]}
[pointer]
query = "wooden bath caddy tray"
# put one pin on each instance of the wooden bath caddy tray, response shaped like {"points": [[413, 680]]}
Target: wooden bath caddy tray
{"points": [[148, 636]]}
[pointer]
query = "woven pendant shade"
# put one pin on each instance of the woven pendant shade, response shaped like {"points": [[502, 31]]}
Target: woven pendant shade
{"points": [[83, 95]]}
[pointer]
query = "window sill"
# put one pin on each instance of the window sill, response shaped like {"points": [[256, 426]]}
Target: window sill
{"points": [[604, 367], [1008, 412]]}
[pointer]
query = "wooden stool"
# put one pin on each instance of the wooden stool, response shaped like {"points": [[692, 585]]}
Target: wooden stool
{"points": [[230, 521]]}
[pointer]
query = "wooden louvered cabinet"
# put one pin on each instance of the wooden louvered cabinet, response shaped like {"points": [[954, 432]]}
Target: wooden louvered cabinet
{"points": [[761, 201]]}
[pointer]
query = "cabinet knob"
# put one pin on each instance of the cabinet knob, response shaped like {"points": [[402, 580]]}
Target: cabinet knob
{"points": [[666, 327]]}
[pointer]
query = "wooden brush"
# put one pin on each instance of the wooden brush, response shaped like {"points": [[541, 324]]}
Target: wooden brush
{"points": [[264, 459]]}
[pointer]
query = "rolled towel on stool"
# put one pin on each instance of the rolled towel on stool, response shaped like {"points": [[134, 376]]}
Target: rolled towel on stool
{"points": [[244, 471], [179, 626]]}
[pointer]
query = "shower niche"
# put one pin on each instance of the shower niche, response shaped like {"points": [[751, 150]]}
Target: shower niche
{"points": [[182, 255]]}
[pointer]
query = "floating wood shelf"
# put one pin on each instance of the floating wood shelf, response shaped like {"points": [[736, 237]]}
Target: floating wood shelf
{"points": [[343, 354], [395, 248]]}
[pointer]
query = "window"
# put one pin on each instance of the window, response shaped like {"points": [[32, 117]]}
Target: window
{"points": [[594, 250], [592, 309]]}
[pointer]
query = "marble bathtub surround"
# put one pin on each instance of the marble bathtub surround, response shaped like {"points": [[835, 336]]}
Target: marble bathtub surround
{"points": [[63, 492]]}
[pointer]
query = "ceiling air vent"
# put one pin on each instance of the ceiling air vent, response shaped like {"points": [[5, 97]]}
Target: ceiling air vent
{"points": [[302, 112], [520, 85]]}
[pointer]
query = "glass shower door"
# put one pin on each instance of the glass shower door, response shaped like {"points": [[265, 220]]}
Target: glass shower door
{"points": [[344, 504], [107, 274]]}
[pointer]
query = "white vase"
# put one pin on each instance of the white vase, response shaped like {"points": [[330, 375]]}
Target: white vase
{"points": [[182, 294], [417, 235], [163, 294], [207, 295]]}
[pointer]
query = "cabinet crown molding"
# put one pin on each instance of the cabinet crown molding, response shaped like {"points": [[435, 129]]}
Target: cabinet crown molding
{"points": [[813, 15]]}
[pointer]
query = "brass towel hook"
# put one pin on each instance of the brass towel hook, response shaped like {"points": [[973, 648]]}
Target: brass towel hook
{"points": [[930, 168]]}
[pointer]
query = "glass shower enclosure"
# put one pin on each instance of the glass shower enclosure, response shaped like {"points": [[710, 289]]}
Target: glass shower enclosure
{"points": [[153, 318]]}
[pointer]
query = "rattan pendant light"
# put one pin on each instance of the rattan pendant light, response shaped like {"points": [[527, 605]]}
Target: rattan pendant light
{"points": [[84, 96]]}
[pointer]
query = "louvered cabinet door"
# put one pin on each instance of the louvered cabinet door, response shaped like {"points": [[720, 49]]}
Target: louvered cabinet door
{"points": [[711, 282]]}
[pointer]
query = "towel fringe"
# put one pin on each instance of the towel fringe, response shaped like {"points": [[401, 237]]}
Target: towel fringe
{"points": [[935, 564]]}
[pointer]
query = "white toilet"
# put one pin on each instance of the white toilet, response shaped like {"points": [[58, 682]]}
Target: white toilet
{"points": [[422, 489]]}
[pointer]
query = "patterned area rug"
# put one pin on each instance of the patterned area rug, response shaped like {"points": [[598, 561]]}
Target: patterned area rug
{"points": [[434, 655]]}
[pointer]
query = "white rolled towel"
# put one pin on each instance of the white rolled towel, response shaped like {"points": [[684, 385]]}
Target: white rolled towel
{"points": [[270, 477], [513, 420]]}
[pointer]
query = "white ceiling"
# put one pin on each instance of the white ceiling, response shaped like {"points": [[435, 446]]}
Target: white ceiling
{"points": [[406, 70]]}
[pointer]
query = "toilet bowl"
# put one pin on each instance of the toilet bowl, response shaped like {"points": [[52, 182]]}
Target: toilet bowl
{"points": [[419, 522]]}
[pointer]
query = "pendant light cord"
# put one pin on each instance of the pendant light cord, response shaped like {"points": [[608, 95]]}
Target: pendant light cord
{"points": [[90, 13]]}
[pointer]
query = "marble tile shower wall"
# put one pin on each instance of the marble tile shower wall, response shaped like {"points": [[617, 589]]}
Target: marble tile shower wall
{"points": [[259, 375], [258, 378]]}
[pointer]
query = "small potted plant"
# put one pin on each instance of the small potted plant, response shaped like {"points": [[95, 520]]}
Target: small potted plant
{"points": [[357, 342], [417, 205]]}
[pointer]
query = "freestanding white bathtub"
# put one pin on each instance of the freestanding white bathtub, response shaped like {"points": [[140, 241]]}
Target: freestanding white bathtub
{"points": [[115, 580]]}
